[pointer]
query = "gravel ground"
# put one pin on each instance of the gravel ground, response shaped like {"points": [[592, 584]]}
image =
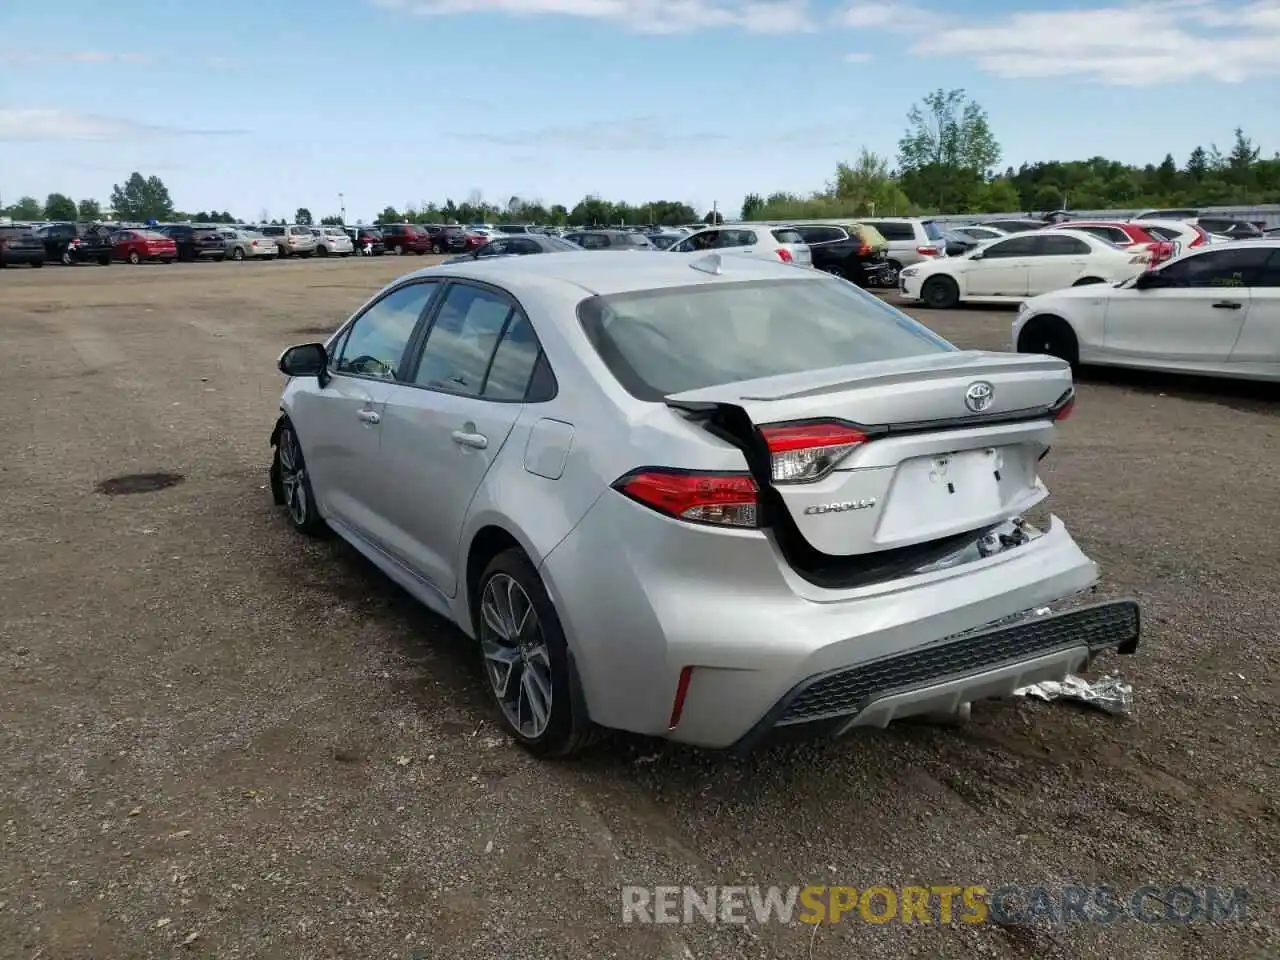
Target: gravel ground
{"points": [[220, 740]]}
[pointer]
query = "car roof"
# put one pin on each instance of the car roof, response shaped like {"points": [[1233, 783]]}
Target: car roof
{"points": [[595, 273]]}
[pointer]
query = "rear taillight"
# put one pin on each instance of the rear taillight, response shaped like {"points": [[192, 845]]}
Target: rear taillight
{"points": [[253, 243], [1065, 406], [864, 250], [927, 251], [718, 499], [785, 255], [1202, 236], [804, 452]]}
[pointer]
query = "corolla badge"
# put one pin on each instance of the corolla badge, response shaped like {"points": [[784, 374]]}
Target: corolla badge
{"points": [[979, 396], [840, 506]]}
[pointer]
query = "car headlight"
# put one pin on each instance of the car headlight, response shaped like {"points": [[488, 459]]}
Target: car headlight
{"points": [[909, 272]]}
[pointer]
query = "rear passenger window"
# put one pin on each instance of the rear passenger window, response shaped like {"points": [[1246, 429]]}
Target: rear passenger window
{"points": [[513, 362], [462, 340], [894, 230], [787, 236]]}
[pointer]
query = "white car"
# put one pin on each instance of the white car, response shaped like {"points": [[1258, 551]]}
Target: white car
{"points": [[1023, 265], [1183, 234], [333, 241], [1213, 311], [760, 240]]}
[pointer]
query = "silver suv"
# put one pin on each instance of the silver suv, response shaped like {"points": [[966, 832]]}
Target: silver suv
{"points": [[911, 241], [291, 239]]}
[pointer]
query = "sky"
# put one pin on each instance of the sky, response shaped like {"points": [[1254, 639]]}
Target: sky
{"points": [[261, 108]]}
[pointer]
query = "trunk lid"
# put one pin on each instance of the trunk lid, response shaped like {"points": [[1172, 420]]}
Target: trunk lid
{"points": [[951, 444]]}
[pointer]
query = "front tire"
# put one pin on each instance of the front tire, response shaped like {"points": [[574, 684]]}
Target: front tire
{"points": [[291, 483], [889, 276], [527, 666], [1051, 336], [398, 250], [67, 259], [940, 293], [134, 258]]}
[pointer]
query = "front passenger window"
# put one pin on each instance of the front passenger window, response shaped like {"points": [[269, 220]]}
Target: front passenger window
{"points": [[376, 342]]}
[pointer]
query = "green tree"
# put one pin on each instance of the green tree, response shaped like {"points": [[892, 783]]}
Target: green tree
{"points": [[59, 206], [27, 208], [947, 150], [713, 217], [142, 199], [1198, 164], [389, 215], [867, 187], [302, 216], [88, 211], [998, 196], [752, 204], [331, 221]]}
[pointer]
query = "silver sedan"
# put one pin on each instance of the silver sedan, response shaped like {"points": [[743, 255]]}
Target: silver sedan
{"points": [[248, 245], [698, 497]]}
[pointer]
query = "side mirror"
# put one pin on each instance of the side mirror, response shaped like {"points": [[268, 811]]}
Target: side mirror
{"points": [[304, 360]]}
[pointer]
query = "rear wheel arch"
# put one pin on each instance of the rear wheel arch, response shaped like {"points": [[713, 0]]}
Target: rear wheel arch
{"points": [[1050, 334], [488, 542]]}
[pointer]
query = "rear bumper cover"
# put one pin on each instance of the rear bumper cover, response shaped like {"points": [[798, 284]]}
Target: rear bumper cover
{"points": [[940, 677]]}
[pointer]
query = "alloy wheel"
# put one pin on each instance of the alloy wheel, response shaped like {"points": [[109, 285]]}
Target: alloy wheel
{"points": [[517, 660], [293, 475]]}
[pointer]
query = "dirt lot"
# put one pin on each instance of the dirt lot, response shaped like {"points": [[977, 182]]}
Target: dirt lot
{"points": [[220, 740]]}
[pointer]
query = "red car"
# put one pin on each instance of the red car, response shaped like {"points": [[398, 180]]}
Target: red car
{"points": [[405, 238], [138, 245], [1130, 236]]}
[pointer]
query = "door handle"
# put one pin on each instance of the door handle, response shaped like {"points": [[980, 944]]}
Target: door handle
{"points": [[1227, 305], [369, 416], [476, 440]]}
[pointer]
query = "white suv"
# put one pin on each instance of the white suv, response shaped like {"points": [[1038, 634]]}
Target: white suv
{"points": [[761, 240]]}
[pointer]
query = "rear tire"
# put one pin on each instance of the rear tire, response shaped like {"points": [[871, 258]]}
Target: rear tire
{"points": [[1051, 336], [398, 250], [322, 251], [940, 293], [67, 259], [237, 253], [511, 591], [37, 263], [134, 258], [435, 248], [104, 261]]}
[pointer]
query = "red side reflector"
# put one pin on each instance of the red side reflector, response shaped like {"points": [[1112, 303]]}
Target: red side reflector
{"points": [[682, 691], [784, 255], [719, 499]]}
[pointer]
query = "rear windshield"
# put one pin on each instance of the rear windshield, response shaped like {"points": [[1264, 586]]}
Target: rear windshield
{"points": [[273, 231], [932, 230], [555, 243], [1161, 233], [655, 342], [787, 236], [16, 232], [300, 231]]}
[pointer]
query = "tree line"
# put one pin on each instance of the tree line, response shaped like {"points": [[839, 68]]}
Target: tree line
{"points": [[948, 161]]}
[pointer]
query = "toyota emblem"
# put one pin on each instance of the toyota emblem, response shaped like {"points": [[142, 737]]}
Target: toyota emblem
{"points": [[979, 396]]}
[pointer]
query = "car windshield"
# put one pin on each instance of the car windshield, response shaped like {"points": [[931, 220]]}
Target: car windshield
{"points": [[655, 341], [932, 230]]}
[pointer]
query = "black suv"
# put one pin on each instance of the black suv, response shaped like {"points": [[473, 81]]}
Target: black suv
{"points": [[76, 243], [446, 239], [20, 245], [841, 249], [196, 243]]}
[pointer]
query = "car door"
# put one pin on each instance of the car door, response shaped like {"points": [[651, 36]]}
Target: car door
{"points": [[1057, 261], [1259, 341], [445, 428], [1192, 310], [339, 424], [1001, 269]]}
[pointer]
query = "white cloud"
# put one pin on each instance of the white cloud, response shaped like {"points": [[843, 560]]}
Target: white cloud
{"points": [[36, 124], [641, 16], [642, 134], [33, 58], [1125, 44]]}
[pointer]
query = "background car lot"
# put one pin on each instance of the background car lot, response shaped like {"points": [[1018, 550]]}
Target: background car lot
{"points": [[263, 742]]}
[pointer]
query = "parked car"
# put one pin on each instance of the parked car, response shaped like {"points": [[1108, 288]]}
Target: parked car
{"points": [[664, 241], [292, 239], [512, 228], [1183, 234], [135, 246], [1214, 310], [958, 244], [401, 238], [911, 240], [446, 239], [195, 243], [1125, 234], [478, 238], [1020, 266], [854, 251], [71, 243], [489, 433], [20, 244], [1177, 213], [979, 234], [517, 246], [244, 244], [332, 242], [1228, 227], [753, 240], [609, 240], [368, 241]]}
